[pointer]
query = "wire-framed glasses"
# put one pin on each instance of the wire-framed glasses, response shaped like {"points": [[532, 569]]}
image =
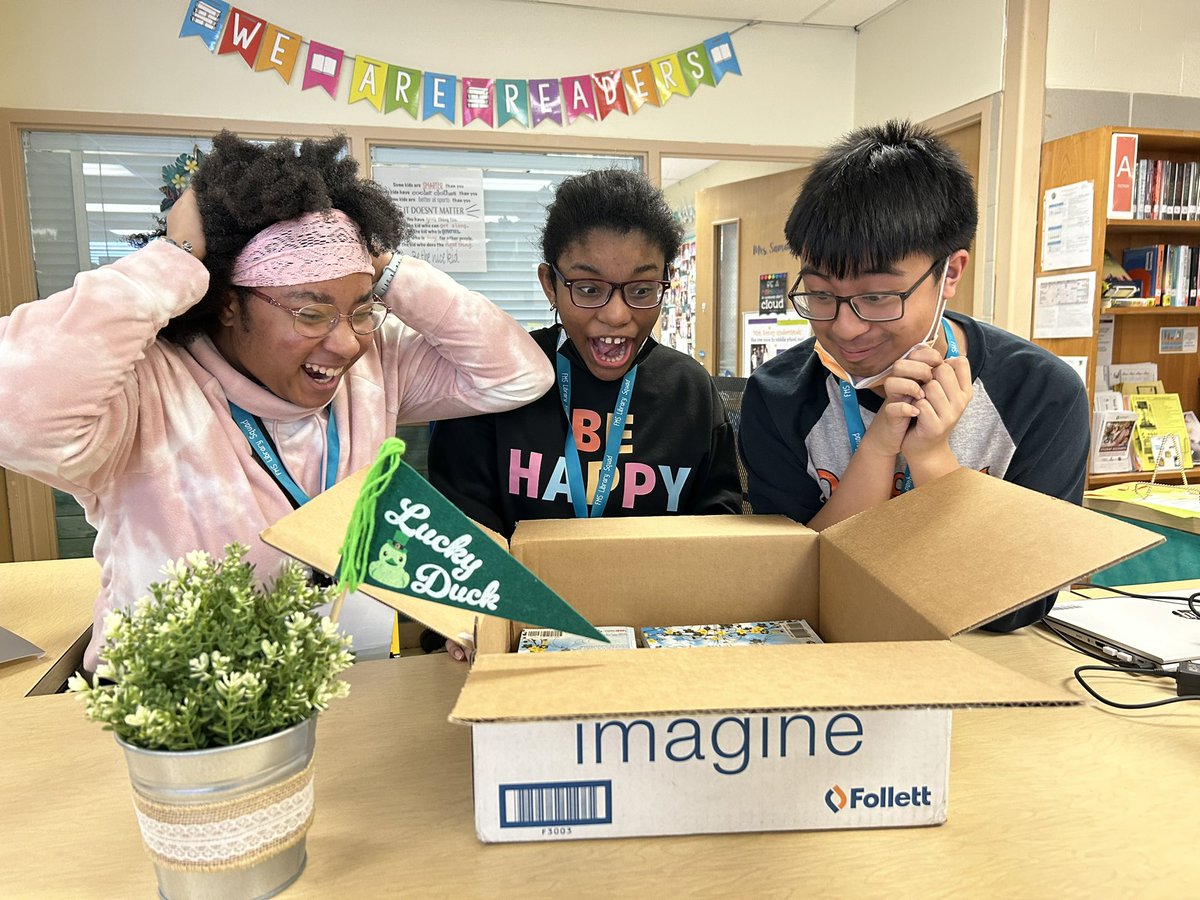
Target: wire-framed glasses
{"points": [[877, 306], [592, 293], [316, 320]]}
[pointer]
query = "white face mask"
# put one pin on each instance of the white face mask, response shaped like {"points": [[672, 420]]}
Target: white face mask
{"points": [[870, 381]]}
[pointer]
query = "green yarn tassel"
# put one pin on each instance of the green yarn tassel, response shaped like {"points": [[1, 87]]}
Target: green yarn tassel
{"points": [[360, 532]]}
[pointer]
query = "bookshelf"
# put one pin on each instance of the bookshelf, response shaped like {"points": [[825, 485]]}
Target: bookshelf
{"points": [[1087, 157]]}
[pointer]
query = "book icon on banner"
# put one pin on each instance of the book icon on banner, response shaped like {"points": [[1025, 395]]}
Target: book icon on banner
{"points": [[406, 537]]}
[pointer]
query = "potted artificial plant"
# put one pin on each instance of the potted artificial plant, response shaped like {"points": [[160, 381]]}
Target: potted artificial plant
{"points": [[212, 686]]}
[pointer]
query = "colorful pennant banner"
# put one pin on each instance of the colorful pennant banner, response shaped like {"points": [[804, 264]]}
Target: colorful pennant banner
{"points": [[265, 46]]}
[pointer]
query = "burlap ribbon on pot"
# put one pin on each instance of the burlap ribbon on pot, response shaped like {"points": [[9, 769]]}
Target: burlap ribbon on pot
{"points": [[229, 834]]}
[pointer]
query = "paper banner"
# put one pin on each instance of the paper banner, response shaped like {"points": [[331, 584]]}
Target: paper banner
{"points": [[668, 77], [512, 102], [368, 81], [720, 51], [610, 93], [639, 85], [280, 50], [203, 19], [478, 101], [697, 69], [323, 68], [579, 98], [545, 101], [438, 92], [387, 87], [243, 35], [403, 90], [406, 537]]}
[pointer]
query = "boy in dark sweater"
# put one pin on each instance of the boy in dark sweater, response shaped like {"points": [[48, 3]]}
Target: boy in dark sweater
{"points": [[890, 393]]}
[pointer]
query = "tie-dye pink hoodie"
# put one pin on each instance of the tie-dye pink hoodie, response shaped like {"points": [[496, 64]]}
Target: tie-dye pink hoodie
{"points": [[139, 430]]}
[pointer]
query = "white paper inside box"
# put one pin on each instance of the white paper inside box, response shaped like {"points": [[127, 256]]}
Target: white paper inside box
{"points": [[850, 733]]}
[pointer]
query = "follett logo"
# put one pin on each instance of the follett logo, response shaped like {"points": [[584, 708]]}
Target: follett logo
{"points": [[885, 797], [835, 799]]}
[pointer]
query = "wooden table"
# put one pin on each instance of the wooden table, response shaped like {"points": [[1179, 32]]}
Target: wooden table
{"points": [[1078, 802], [50, 604]]}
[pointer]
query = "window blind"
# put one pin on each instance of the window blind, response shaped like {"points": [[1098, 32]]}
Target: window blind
{"points": [[517, 188]]}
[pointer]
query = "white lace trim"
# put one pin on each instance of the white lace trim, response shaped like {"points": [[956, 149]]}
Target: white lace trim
{"points": [[218, 844]]}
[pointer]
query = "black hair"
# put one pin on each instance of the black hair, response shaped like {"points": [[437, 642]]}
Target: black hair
{"points": [[880, 194], [243, 187], [613, 200]]}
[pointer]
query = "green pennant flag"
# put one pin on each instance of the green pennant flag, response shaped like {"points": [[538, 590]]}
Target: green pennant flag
{"points": [[406, 537], [697, 69], [403, 90]]}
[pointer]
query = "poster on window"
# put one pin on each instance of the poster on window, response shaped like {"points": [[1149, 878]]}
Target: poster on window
{"points": [[765, 337], [444, 208]]}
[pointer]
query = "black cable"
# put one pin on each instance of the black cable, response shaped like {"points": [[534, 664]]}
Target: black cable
{"points": [[1157, 672]]}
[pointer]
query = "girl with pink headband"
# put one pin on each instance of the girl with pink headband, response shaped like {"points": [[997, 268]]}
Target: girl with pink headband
{"points": [[256, 352]]}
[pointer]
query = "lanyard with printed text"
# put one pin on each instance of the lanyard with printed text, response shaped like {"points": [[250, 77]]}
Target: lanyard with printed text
{"points": [[256, 433], [854, 419], [612, 444]]}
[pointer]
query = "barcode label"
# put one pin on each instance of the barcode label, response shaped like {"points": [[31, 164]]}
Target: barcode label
{"points": [[556, 803]]}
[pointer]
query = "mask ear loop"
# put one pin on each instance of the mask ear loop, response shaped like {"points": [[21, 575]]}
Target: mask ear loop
{"points": [[929, 340]]}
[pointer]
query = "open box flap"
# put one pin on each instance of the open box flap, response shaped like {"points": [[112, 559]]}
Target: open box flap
{"points": [[313, 534], [675, 570], [964, 550], [519, 687]]}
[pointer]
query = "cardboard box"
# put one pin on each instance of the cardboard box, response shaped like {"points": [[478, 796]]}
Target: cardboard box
{"points": [[851, 733]]}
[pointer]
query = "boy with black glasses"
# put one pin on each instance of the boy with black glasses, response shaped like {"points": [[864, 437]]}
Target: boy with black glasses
{"points": [[894, 391]]}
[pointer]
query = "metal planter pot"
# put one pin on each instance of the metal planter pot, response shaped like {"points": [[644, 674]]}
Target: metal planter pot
{"points": [[227, 822]]}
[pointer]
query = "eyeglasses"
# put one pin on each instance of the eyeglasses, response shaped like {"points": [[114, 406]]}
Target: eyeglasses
{"points": [[319, 319], [878, 306], [592, 293]]}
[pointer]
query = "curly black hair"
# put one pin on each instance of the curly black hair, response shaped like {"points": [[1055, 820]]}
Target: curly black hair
{"points": [[613, 200], [243, 187]]}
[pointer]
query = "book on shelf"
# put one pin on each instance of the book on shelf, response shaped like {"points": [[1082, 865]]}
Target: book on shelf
{"points": [[1112, 439], [1125, 388], [1121, 177], [1108, 400], [795, 631], [1162, 189], [1160, 415], [1115, 373], [1143, 265], [551, 640]]}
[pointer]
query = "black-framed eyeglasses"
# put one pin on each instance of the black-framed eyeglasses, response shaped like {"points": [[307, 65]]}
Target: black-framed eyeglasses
{"points": [[316, 320], [877, 306], [592, 293]]}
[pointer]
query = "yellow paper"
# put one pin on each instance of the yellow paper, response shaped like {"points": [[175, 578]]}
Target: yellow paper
{"points": [[1161, 432], [1182, 501], [668, 77], [369, 81]]}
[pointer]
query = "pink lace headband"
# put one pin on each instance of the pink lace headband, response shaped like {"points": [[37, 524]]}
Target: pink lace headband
{"points": [[318, 246]]}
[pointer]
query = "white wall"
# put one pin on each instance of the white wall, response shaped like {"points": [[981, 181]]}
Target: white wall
{"points": [[125, 56], [925, 57], [1131, 46]]}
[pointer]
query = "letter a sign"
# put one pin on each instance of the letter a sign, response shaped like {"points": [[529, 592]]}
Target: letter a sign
{"points": [[406, 537]]}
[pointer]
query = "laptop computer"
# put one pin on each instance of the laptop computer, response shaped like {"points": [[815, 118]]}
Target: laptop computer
{"points": [[1134, 631]]}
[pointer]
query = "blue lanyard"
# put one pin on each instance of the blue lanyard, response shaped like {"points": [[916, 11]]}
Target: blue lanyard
{"points": [[256, 433], [612, 444], [854, 419]]}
